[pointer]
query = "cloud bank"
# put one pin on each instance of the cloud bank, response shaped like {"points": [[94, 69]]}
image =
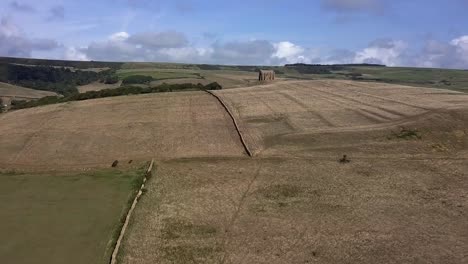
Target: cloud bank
{"points": [[14, 43], [174, 46]]}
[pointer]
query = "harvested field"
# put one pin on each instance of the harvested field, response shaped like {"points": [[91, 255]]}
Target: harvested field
{"points": [[97, 86], [97, 132], [18, 92], [314, 118], [400, 199], [232, 79], [66, 217], [302, 211], [181, 80]]}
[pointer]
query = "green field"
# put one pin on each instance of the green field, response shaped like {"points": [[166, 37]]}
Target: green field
{"points": [[158, 74], [63, 217], [421, 77]]}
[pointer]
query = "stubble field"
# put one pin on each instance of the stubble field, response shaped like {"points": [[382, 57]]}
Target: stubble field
{"points": [[94, 133], [402, 198]]}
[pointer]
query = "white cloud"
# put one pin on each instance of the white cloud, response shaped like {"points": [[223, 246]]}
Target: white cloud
{"points": [[156, 40], [386, 52], [14, 43], [75, 54], [290, 52], [461, 45], [119, 36]]}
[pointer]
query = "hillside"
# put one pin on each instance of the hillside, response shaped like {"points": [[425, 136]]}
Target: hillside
{"points": [[296, 199], [18, 92]]}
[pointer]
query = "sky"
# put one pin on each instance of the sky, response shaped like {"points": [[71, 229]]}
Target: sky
{"points": [[420, 33]]}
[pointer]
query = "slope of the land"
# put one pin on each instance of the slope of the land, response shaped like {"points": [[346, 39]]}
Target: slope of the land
{"points": [[314, 118], [302, 211], [97, 86], [97, 132], [22, 93], [400, 198]]}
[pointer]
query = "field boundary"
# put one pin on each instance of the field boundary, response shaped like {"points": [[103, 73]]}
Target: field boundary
{"points": [[236, 126], [115, 253]]}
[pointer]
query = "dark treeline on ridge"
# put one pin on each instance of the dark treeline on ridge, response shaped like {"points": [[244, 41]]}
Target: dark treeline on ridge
{"points": [[62, 63], [55, 79]]}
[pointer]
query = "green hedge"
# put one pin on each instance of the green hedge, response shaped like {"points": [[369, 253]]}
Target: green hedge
{"points": [[124, 90]]}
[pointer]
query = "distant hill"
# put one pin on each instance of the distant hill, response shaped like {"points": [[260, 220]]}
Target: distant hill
{"points": [[62, 63]]}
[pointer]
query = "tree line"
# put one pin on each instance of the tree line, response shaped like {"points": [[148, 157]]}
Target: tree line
{"points": [[124, 90], [55, 79]]}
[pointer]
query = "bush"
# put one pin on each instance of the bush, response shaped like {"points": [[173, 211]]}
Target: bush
{"points": [[137, 79], [213, 86], [111, 79]]}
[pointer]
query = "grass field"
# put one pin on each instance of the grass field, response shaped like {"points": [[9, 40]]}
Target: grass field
{"points": [[275, 210], [419, 77], [158, 74], [97, 132], [401, 199], [63, 217], [310, 117]]}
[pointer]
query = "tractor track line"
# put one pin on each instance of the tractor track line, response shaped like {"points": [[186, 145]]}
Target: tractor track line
{"points": [[307, 108], [236, 126]]}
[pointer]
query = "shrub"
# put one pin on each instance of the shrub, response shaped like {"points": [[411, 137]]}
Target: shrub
{"points": [[213, 86], [111, 79]]}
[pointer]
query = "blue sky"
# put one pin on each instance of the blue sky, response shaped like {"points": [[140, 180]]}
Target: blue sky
{"points": [[396, 33]]}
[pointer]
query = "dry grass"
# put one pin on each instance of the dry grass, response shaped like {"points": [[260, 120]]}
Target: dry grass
{"points": [[398, 201], [311, 118], [97, 86], [300, 211], [13, 91], [97, 132]]}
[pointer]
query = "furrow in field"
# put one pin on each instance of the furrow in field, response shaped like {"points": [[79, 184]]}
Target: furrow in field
{"points": [[396, 114], [316, 116], [369, 113]]}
